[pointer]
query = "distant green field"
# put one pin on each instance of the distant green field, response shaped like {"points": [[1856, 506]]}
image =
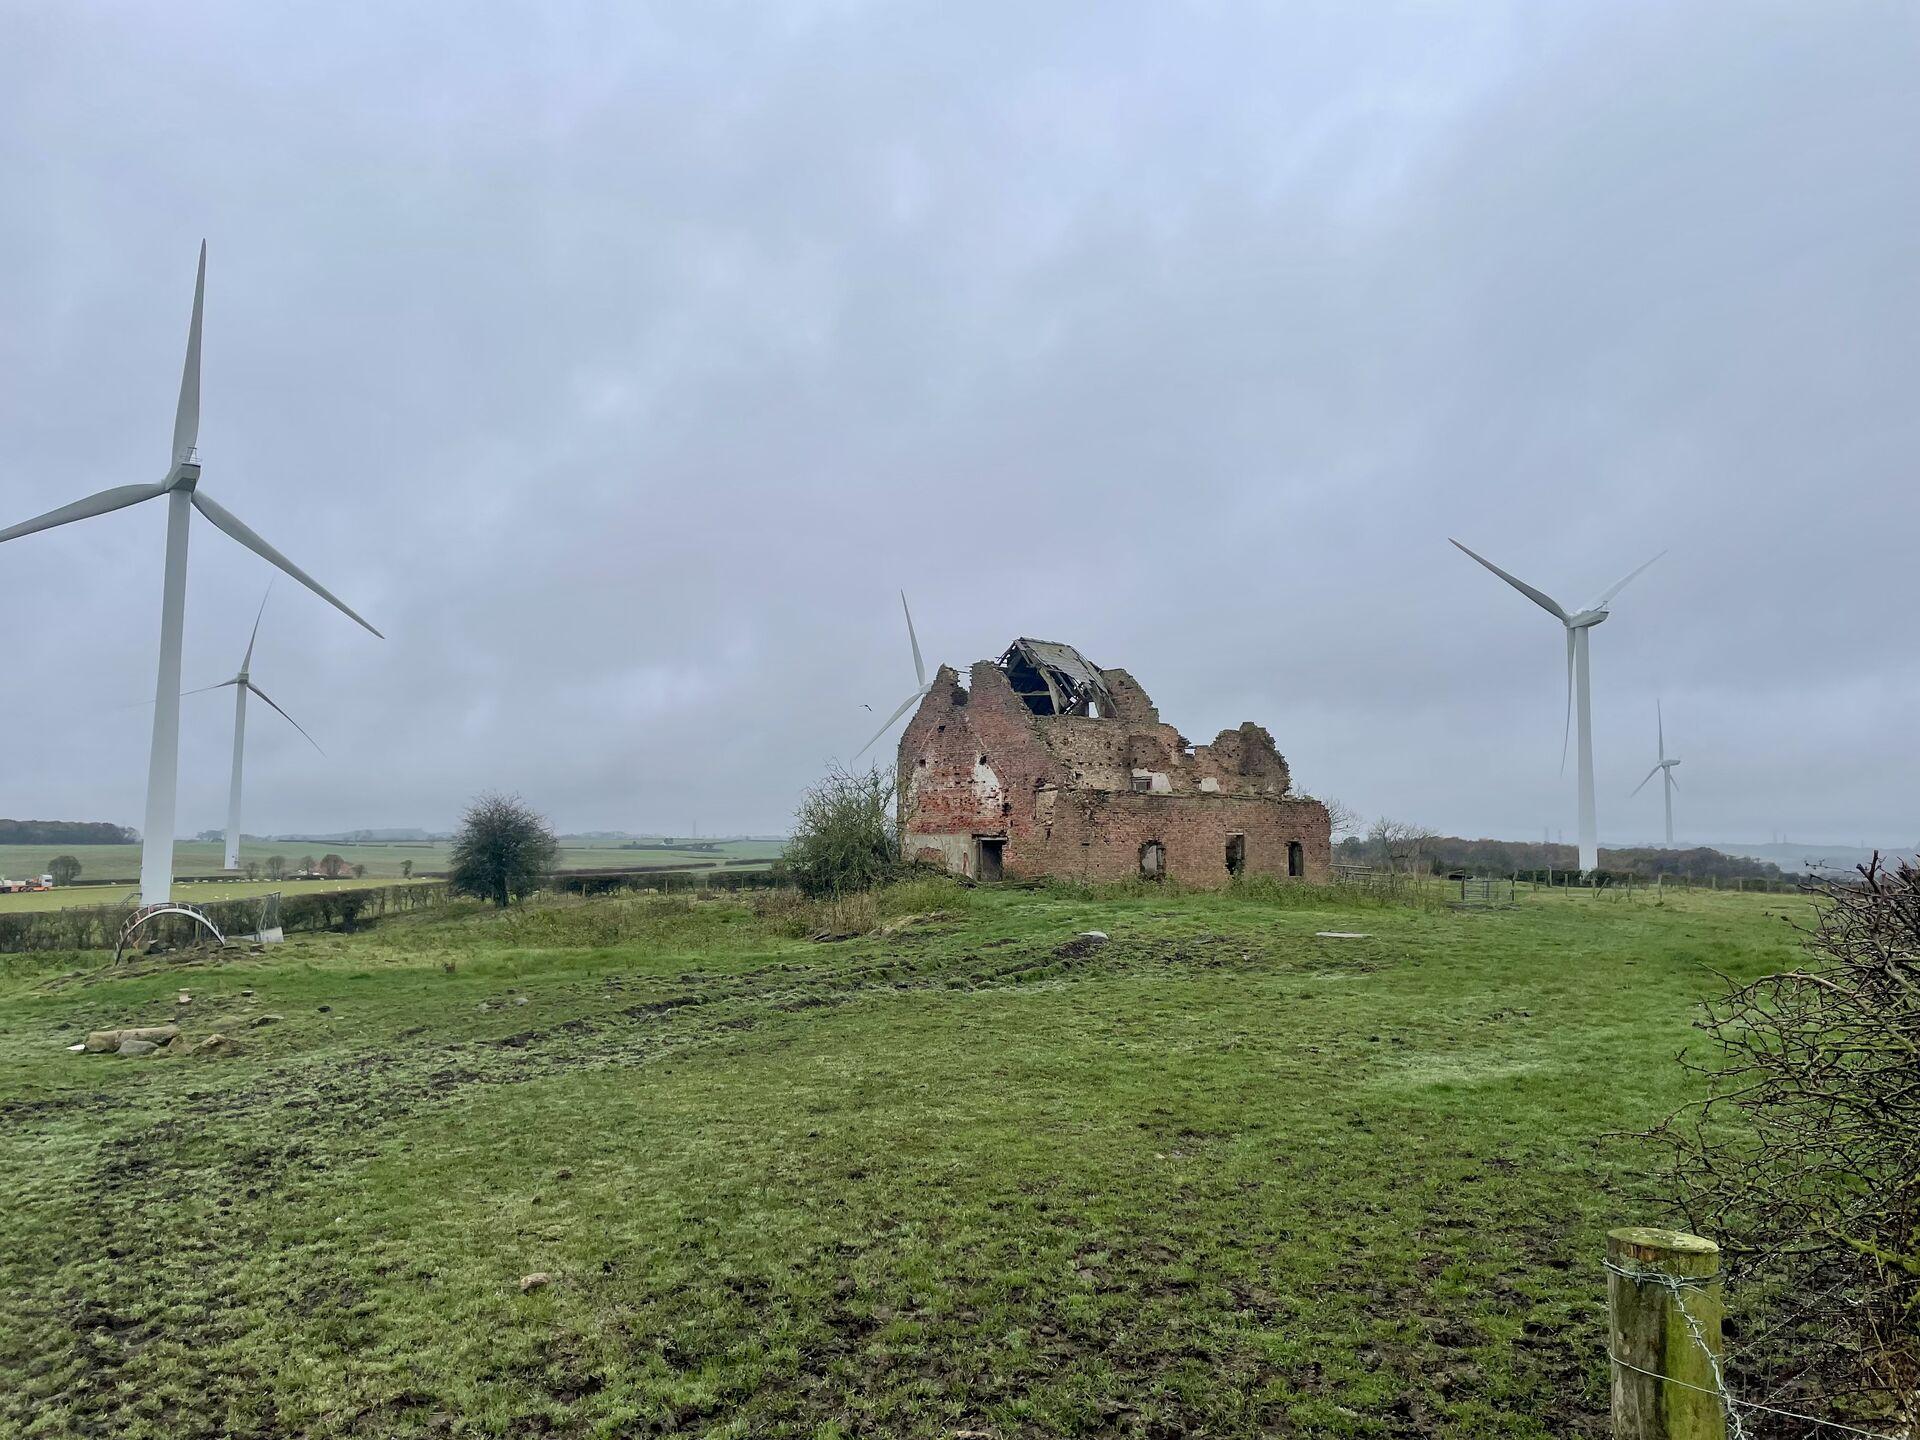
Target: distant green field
{"points": [[192, 858], [197, 891]]}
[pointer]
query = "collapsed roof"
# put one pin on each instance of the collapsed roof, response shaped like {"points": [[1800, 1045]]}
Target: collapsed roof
{"points": [[1055, 679]]}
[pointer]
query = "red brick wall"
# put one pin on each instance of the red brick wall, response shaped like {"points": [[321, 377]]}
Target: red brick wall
{"points": [[1103, 834], [978, 762]]}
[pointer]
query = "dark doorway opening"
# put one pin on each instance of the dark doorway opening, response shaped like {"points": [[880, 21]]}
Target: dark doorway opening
{"points": [[991, 859], [1296, 858], [1153, 860], [1236, 854]]}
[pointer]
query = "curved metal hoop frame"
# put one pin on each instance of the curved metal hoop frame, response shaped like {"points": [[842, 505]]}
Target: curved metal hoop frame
{"points": [[140, 917]]}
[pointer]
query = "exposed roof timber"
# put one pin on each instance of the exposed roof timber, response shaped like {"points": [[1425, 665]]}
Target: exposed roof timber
{"points": [[1071, 679]]}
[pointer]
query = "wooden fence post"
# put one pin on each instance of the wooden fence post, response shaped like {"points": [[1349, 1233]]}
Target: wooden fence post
{"points": [[1663, 1335]]}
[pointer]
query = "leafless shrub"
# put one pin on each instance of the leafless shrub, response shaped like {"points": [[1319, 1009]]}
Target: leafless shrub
{"points": [[1804, 1158]]}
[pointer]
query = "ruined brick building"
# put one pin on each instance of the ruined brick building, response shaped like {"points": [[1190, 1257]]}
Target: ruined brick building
{"points": [[1044, 764]]}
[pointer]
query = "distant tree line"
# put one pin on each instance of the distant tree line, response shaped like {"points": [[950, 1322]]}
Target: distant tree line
{"points": [[1388, 845], [64, 832]]}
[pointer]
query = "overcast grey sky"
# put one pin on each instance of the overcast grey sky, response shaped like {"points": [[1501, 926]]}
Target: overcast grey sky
{"points": [[620, 362]]}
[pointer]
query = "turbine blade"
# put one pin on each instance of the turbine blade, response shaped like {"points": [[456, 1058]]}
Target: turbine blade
{"points": [[1539, 597], [117, 498], [1566, 730], [283, 714], [198, 690], [1671, 781], [1643, 784], [1601, 603], [232, 524], [186, 420], [905, 705], [919, 670], [1660, 720], [247, 663]]}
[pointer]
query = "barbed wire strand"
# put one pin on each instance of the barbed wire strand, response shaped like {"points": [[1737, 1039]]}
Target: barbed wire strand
{"points": [[1676, 1284], [1731, 1403]]}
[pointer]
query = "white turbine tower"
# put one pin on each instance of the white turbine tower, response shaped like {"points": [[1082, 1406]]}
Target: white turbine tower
{"points": [[243, 684], [1578, 690], [920, 679], [1664, 769], [181, 487]]}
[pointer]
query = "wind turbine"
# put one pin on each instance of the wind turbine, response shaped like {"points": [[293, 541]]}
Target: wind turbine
{"points": [[1664, 769], [1577, 625], [181, 487], [243, 683], [920, 677]]}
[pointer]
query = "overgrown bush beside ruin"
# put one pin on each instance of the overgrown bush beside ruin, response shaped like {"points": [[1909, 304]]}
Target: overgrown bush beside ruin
{"points": [[846, 835]]}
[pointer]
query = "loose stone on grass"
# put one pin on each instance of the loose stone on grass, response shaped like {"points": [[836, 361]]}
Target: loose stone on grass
{"points": [[100, 1042]]}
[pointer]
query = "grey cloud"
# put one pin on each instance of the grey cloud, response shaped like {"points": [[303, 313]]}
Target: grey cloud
{"points": [[621, 366]]}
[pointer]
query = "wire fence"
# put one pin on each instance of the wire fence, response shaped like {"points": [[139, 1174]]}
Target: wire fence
{"points": [[1717, 1361]]}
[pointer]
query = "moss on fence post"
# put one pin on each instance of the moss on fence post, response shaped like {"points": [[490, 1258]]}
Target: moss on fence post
{"points": [[1663, 1332]]}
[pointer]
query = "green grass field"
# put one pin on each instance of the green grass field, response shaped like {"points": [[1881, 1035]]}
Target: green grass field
{"points": [[960, 1177], [193, 859]]}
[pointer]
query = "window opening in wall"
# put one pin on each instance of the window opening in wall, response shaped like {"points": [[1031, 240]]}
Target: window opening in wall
{"points": [[1296, 858], [1153, 860], [1236, 854], [991, 857]]}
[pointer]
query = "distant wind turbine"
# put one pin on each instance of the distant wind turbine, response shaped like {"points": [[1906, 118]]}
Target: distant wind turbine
{"points": [[1664, 769], [920, 680], [1577, 625], [181, 487], [243, 684]]}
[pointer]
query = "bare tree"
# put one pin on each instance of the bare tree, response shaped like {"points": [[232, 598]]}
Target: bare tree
{"points": [[1345, 819], [1398, 844]]}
